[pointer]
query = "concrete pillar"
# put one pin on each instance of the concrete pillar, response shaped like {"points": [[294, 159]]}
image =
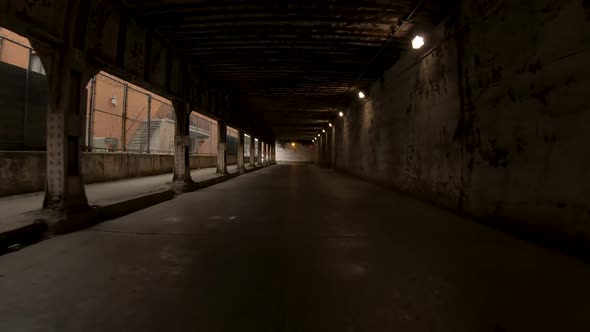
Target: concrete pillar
{"points": [[182, 172], [325, 150], [64, 188], [272, 153], [259, 156], [322, 150], [333, 147], [221, 147], [264, 156], [240, 151], [252, 151]]}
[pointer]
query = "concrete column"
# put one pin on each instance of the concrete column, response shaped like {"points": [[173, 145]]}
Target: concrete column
{"points": [[221, 147], [64, 189], [321, 150], [333, 147], [252, 151], [240, 150], [325, 150], [259, 156], [263, 154], [272, 153], [182, 172]]}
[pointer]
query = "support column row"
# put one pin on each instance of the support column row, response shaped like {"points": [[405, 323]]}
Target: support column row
{"points": [[65, 134]]}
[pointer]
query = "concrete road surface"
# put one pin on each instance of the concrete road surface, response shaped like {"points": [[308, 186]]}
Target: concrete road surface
{"points": [[292, 248]]}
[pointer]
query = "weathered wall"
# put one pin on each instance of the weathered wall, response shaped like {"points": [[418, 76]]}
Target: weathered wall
{"points": [[490, 122], [301, 153], [24, 172], [21, 172]]}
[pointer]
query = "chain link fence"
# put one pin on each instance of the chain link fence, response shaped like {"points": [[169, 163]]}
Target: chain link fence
{"points": [[121, 117], [23, 96]]}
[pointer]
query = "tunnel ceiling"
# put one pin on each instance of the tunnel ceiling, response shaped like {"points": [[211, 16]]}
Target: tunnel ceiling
{"points": [[291, 60]]}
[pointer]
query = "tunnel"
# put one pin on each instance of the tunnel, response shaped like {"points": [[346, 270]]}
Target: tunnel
{"points": [[294, 165]]}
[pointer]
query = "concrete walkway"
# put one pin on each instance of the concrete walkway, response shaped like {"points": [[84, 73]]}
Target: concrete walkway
{"points": [[106, 192], [291, 248]]}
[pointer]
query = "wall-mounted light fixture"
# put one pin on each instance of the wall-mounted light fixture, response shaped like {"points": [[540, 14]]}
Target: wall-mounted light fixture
{"points": [[341, 114], [361, 95], [323, 130], [114, 100], [293, 144], [330, 124], [418, 42]]}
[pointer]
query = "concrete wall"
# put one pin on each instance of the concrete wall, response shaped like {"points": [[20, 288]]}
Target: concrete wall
{"points": [[490, 122], [21, 172], [301, 153], [24, 172]]}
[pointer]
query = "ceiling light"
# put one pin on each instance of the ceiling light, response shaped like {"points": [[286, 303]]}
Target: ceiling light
{"points": [[361, 95], [417, 42], [341, 114]]}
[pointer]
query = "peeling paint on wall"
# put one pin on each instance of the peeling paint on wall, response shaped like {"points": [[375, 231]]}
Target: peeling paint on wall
{"points": [[492, 122]]}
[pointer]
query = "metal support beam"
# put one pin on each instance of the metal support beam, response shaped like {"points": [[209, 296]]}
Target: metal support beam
{"points": [[64, 188], [240, 159], [221, 147], [252, 151], [124, 118], [259, 155], [182, 174]]}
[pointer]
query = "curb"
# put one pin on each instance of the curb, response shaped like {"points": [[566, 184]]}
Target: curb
{"points": [[31, 231], [39, 225], [123, 207]]}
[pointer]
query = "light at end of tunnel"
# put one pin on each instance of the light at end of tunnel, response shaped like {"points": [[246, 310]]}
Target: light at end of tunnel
{"points": [[341, 114], [361, 95], [293, 144], [329, 124], [417, 42]]}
